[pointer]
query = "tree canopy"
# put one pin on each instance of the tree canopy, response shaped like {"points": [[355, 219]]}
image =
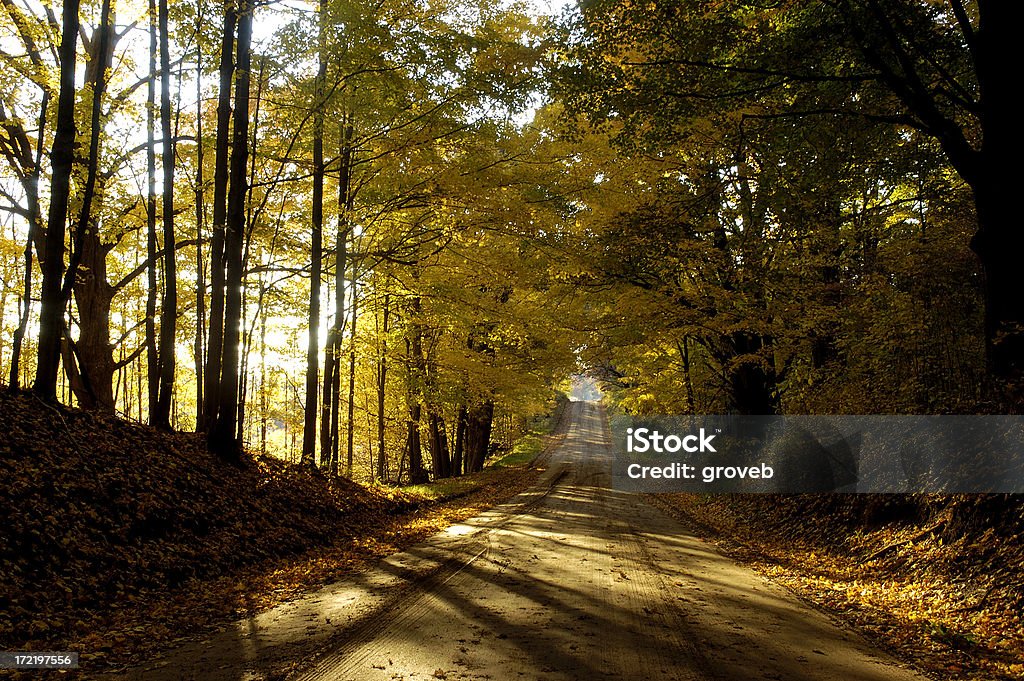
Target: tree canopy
{"points": [[378, 237]]}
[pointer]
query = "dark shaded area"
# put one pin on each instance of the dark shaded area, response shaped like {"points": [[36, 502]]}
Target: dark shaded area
{"points": [[98, 512]]}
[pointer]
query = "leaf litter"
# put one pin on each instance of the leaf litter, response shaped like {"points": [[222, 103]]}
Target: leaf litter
{"points": [[936, 579]]}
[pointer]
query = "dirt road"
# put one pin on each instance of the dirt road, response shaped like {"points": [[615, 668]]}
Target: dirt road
{"points": [[590, 583], [572, 580]]}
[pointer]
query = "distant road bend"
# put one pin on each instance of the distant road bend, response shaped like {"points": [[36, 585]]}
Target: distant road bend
{"points": [[570, 581]]}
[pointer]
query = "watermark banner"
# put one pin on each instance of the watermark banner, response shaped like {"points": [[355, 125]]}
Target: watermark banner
{"points": [[793, 454]]}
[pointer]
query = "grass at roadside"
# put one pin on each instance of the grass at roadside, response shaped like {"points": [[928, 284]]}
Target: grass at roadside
{"points": [[520, 455], [449, 488], [525, 451]]}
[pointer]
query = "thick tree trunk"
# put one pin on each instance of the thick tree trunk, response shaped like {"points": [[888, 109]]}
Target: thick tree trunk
{"points": [[999, 244], [414, 444], [439, 456], [993, 44], [1000, 237], [93, 296], [51, 315], [753, 385], [479, 421], [77, 382], [222, 437]]}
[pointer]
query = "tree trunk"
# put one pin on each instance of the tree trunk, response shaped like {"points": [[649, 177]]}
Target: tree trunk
{"points": [[215, 345], [331, 412], [249, 222], [382, 375], [152, 357], [51, 316], [413, 442], [332, 370], [458, 455], [999, 243], [993, 44], [684, 354], [263, 381], [316, 262], [414, 445], [329, 398], [335, 415], [77, 382], [222, 438], [93, 296], [27, 164], [415, 373], [198, 355], [35, 232], [438, 440], [999, 238], [89, 283], [753, 387], [350, 422], [827, 249], [479, 421], [440, 457], [169, 307]]}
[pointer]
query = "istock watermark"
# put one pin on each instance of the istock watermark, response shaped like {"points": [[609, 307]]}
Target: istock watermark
{"points": [[643, 440], [792, 454]]}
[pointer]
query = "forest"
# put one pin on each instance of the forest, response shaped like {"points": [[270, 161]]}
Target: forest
{"points": [[314, 242], [382, 240], [344, 232]]}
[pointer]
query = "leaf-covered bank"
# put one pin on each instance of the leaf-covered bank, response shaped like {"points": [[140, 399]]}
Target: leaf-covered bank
{"points": [[937, 579]]}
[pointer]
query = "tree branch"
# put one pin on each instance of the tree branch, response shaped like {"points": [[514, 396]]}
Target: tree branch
{"points": [[144, 265]]}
